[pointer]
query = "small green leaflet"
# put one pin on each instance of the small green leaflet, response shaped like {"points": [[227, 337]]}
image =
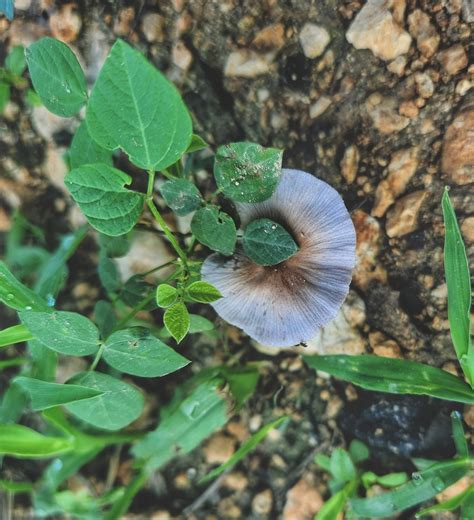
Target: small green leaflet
{"points": [[166, 295], [196, 324], [334, 506], [109, 274], [215, 229], [134, 107], [99, 190], [14, 334], [268, 243], [20, 441], [395, 376], [358, 451], [44, 395], [422, 487], [450, 505], [4, 95], [247, 172], [341, 466], [246, 447], [16, 295], [84, 150], [197, 143], [57, 76], [462, 449], [114, 247], [135, 351], [203, 292], [15, 61], [62, 331], [118, 406], [104, 316], [181, 195], [135, 290], [17, 487], [458, 281], [176, 320]]}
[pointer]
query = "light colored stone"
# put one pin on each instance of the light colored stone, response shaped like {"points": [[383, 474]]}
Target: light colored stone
{"points": [[47, 124], [424, 85], [219, 449], [421, 28], [262, 502], [303, 500], [468, 11], [236, 481], [383, 346], [468, 415], [400, 171], [457, 159], [318, 108], [55, 167], [270, 38], [123, 23], [313, 39], [397, 66], [409, 109], [463, 87], [467, 230], [5, 222], [383, 112], [153, 27], [374, 28], [350, 163], [22, 5], [454, 59], [66, 23], [247, 64], [403, 218], [181, 56]]}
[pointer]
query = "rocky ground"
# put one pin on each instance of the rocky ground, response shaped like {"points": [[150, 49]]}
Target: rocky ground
{"points": [[373, 97]]}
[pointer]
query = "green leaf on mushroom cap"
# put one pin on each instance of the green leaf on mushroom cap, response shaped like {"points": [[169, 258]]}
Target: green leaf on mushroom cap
{"points": [[215, 229], [267, 242], [247, 172]]}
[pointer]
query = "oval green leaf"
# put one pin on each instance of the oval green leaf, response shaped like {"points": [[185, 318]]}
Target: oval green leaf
{"points": [[62, 331], [84, 150], [176, 320], [166, 295], [99, 190], [20, 441], [135, 351], [268, 243], [215, 229], [14, 334], [203, 292], [119, 405], [134, 107], [247, 172], [57, 76], [181, 196]]}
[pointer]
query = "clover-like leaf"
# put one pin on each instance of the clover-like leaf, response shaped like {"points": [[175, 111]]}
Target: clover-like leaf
{"points": [[84, 150], [203, 292], [215, 229], [176, 320], [181, 196], [166, 295], [99, 190]]}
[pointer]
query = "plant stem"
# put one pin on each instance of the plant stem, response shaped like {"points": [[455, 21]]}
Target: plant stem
{"points": [[121, 506], [97, 357], [141, 305]]}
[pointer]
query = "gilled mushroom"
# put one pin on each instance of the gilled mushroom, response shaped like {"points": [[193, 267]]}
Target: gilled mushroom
{"points": [[286, 304]]}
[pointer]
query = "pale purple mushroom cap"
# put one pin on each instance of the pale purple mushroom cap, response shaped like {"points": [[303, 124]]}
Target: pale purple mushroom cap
{"points": [[286, 304]]}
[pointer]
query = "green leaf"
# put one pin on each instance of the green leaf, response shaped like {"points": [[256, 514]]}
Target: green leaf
{"points": [[197, 143], [45, 395], [191, 420], [342, 468], [176, 320], [15, 61], [104, 316], [395, 376], [135, 290], [246, 448], [114, 247], [166, 295], [393, 479], [118, 406], [467, 506], [449, 505], [109, 274], [13, 362], [203, 292], [16, 487], [15, 334], [32, 98], [134, 107], [135, 351], [336, 504], [358, 451], [62, 331], [57, 76], [460, 441], [215, 229], [268, 243], [181, 196], [20, 441], [459, 290], [16, 295], [422, 487], [242, 382], [84, 150], [4, 95], [247, 172], [323, 461], [199, 324], [99, 190]]}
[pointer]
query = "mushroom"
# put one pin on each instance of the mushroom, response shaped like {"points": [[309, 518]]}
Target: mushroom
{"points": [[286, 304]]}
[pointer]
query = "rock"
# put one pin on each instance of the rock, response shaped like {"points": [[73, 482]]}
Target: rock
{"points": [[247, 64], [270, 38], [153, 27], [350, 163], [457, 159], [424, 85], [374, 28], [22, 5], [303, 500], [66, 23], [219, 448], [468, 415], [236, 481], [463, 87], [181, 56], [397, 66], [124, 21], [409, 109], [401, 169], [47, 124], [369, 239], [383, 346], [383, 112], [262, 502], [468, 11], [5, 222], [421, 28], [403, 218], [318, 108], [55, 167], [313, 39], [467, 230], [454, 59]]}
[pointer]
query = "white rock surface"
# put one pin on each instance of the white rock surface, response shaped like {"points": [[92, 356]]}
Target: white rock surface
{"points": [[314, 39]]}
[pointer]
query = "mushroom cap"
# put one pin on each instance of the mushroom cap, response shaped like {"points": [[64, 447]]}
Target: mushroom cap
{"points": [[286, 304]]}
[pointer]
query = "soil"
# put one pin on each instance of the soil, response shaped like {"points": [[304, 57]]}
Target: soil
{"points": [[387, 130]]}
